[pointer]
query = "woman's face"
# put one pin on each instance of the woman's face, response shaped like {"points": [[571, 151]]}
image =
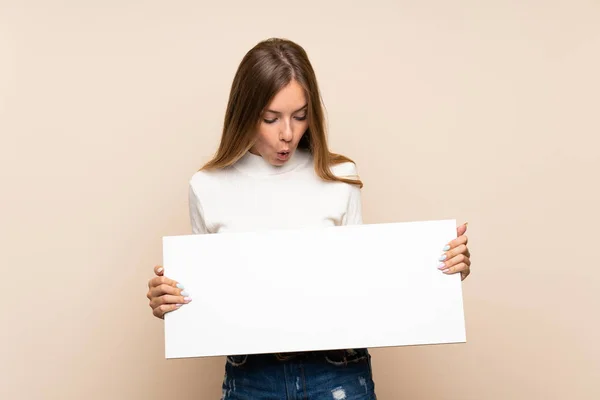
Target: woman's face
{"points": [[282, 125]]}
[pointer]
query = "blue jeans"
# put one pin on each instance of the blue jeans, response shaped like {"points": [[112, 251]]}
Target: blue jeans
{"points": [[330, 375]]}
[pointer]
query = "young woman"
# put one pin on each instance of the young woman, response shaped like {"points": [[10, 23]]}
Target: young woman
{"points": [[273, 169]]}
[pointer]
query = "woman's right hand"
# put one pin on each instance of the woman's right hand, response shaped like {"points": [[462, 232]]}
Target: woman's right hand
{"points": [[165, 294]]}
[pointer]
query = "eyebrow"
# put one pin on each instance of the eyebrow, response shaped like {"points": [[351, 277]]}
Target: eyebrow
{"points": [[279, 112]]}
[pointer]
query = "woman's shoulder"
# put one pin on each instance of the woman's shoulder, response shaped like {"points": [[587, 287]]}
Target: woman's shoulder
{"points": [[204, 178], [346, 169]]}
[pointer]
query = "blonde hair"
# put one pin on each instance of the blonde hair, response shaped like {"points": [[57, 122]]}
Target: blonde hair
{"points": [[265, 69]]}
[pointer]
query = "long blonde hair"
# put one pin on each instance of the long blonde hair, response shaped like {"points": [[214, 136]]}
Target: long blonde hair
{"points": [[265, 69]]}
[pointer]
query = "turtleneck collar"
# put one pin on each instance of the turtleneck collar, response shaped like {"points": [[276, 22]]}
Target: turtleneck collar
{"points": [[255, 165]]}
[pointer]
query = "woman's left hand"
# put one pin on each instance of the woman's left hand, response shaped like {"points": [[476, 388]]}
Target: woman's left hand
{"points": [[456, 255]]}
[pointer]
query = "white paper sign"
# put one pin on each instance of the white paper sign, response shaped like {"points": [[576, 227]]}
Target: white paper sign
{"points": [[357, 286]]}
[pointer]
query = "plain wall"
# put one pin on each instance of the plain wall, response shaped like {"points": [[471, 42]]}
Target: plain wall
{"points": [[483, 111]]}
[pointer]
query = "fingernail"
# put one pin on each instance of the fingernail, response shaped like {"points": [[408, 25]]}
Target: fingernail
{"points": [[187, 299], [180, 286], [446, 247], [159, 270], [443, 257], [446, 270], [442, 265], [466, 223], [177, 305], [184, 293]]}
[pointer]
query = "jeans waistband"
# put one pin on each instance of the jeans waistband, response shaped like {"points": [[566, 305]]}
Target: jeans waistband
{"points": [[345, 356]]}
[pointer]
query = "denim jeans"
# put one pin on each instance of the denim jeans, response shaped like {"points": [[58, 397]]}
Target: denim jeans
{"points": [[330, 375]]}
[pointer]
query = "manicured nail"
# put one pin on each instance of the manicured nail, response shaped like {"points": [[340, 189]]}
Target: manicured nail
{"points": [[446, 270], [187, 299], [446, 247], [442, 265], [159, 270], [180, 286], [178, 305], [443, 257], [184, 293]]}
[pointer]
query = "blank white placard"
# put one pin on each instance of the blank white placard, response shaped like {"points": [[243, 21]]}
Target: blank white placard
{"points": [[372, 285]]}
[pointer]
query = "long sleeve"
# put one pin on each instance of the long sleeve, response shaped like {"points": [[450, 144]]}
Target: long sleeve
{"points": [[196, 213], [354, 212]]}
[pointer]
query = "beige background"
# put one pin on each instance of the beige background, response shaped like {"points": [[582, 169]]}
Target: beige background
{"points": [[480, 111]]}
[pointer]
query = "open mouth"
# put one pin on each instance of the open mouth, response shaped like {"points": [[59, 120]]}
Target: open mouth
{"points": [[283, 155]]}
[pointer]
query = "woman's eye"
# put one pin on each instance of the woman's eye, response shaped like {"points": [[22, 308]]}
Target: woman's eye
{"points": [[271, 121]]}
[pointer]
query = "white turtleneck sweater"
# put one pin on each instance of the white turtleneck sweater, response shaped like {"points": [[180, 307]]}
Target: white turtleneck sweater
{"points": [[254, 195]]}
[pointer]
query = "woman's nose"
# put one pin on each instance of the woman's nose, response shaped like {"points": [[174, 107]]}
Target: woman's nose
{"points": [[286, 134]]}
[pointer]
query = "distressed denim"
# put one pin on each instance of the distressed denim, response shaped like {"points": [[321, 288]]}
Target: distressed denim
{"points": [[331, 375]]}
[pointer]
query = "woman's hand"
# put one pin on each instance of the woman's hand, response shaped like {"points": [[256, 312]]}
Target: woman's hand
{"points": [[456, 256], [165, 294]]}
